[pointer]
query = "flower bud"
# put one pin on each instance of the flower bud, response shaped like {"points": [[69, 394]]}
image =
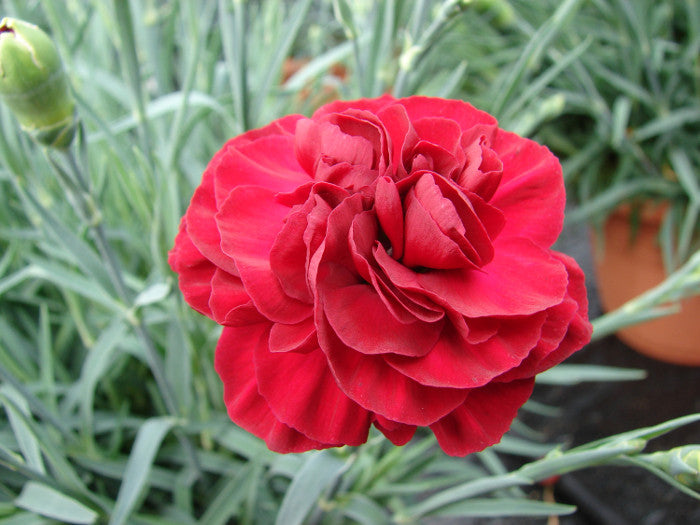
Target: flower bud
{"points": [[682, 463], [34, 85]]}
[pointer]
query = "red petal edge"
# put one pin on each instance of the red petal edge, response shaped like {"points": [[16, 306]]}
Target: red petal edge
{"points": [[484, 417], [245, 406]]}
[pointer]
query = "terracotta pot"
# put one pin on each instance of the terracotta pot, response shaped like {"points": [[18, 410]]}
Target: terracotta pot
{"points": [[626, 266]]}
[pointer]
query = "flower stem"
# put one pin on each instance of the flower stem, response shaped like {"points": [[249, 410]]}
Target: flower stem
{"points": [[81, 190], [415, 52]]}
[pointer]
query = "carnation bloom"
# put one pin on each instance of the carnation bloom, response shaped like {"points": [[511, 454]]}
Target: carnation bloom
{"points": [[385, 262]]}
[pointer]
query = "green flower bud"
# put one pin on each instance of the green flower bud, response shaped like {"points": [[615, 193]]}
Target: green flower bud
{"points": [[34, 85], [502, 12], [682, 463]]}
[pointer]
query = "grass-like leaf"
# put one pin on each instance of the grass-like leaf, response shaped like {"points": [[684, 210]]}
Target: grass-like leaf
{"points": [[146, 445], [316, 475], [566, 374], [51, 503]]}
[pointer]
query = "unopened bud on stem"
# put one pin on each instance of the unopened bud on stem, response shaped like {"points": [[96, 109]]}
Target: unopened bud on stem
{"points": [[34, 85], [683, 463]]}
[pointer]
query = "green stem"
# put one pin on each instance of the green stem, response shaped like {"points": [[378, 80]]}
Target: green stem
{"points": [[653, 303], [130, 63], [93, 217], [234, 37]]}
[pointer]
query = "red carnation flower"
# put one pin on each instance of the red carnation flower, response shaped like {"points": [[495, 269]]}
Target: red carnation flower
{"points": [[385, 262]]}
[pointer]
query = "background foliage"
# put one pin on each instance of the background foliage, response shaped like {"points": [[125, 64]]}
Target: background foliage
{"points": [[112, 410]]}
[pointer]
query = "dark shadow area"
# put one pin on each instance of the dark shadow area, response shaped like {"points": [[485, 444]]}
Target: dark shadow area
{"points": [[590, 411], [620, 495]]}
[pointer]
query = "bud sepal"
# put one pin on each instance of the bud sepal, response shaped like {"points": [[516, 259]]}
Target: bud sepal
{"points": [[34, 84]]}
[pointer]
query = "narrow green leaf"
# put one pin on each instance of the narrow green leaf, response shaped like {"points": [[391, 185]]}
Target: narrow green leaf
{"points": [[55, 454], [10, 253], [36, 405], [16, 354], [542, 409], [538, 112], [620, 120], [645, 433], [452, 83], [25, 518], [152, 294], [160, 107], [562, 462], [16, 278], [26, 439], [228, 498], [160, 478], [382, 32], [501, 507], [63, 277], [667, 123], [688, 230], [286, 465], [241, 442], [661, 474], [574, 374], [51, 503], [464, 491], [80, 252], [630, 89], [318, 473], [364, 510], [343, 13], [532, 52], [131, 68], [686, 174], [522, 447], [96, 364], [536, 86], [282, 51], [623, 191], [47, 366], [146, 445], [233, 34], [435, 483]]}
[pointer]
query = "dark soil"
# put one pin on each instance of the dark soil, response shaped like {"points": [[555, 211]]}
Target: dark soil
{"points": [[624, 495], [620, 495], [590, 411]]}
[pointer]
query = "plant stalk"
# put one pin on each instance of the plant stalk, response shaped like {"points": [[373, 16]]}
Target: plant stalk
{"points": [[82, 195]]}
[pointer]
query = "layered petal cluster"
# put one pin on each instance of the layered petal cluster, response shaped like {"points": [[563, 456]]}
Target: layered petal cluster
{"points": [[385, 262]]}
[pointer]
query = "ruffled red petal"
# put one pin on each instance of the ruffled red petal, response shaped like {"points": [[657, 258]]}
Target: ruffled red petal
{"points": [[463, 113], [339, 106], [531, 193], [398, 433], [566, 330], [457, 364], [252, 164], [522, 279], [245, 406], [302, 393], [362, 322], [376, 386], [250, 221], [483, 418], [194, 271]]}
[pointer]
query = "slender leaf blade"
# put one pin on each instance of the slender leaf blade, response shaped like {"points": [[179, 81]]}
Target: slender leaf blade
{"points": [[46, 501], [318, 473], [146, 445]]}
